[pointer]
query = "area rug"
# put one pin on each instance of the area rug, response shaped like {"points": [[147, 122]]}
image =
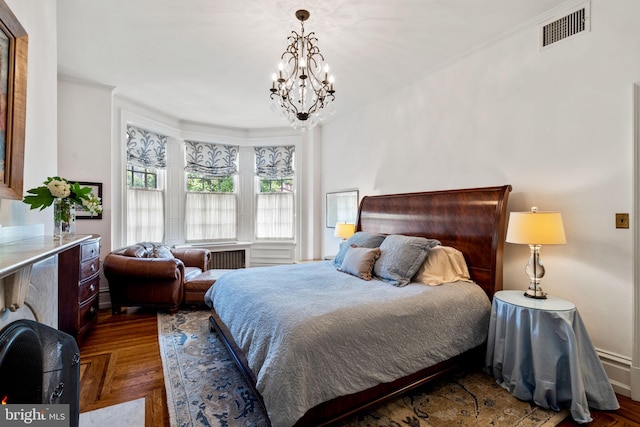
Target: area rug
{"points": [[130, 414], [204, 388]]}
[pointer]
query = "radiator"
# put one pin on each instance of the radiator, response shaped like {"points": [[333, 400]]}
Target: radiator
{"points": [[231, 259]]}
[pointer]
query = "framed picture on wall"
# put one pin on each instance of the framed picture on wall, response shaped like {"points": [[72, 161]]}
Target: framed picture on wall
{"points": [[96, 190], [13, 97], [342, 206]]}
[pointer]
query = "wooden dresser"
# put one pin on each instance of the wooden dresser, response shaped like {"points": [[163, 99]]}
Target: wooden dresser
{"points": [[78, 285]]}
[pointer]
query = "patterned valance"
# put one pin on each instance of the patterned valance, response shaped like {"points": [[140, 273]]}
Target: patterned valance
{"points": [[274, 162], [146, 149], [211, 160]]}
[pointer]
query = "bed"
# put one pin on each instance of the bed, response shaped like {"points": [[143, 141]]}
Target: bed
{"points": [[317, 345]]}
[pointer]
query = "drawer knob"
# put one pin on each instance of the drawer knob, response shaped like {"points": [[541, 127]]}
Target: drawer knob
{"points": [[92, 287], [93, 310], [93, 267]]}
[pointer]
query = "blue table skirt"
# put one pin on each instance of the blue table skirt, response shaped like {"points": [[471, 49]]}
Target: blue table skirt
{"points": [[547, 357]]}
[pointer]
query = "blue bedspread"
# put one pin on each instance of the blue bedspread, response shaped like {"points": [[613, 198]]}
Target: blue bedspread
{"points": [[311, 333]]}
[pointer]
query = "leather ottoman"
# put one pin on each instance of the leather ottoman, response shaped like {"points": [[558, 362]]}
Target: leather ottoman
{"points": [[195, 288]]}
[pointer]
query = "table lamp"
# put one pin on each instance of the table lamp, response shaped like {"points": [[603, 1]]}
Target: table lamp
{"points": [[344, 230], [535, 229]]}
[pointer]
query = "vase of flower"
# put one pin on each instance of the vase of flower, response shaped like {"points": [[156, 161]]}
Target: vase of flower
{"points": [[64, 196], [64, 218]]}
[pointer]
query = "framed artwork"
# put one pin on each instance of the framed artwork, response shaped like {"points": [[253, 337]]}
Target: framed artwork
{"points": [[13, 102], [96, 190], [342, 206]]}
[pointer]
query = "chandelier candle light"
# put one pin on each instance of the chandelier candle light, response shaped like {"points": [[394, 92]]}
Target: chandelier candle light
{"points": [[535, 229], [302, 87]]}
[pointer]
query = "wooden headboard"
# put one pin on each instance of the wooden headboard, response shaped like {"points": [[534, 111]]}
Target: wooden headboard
{"points": [[471, 220]]}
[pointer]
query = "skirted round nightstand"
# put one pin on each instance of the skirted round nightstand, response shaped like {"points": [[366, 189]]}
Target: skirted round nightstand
{"points": [[539, 350]]}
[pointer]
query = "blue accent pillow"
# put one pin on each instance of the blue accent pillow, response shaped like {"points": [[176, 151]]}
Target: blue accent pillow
{"points": [[401, 257], [362, 239]]}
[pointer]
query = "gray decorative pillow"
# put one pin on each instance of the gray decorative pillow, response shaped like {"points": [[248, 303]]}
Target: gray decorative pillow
{"points": [[401, 257], [359, 261], [136, 251], [361, 239], [161, 251]]}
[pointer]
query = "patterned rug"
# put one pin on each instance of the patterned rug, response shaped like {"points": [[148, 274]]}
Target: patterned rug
{"points": [[204, 388]]}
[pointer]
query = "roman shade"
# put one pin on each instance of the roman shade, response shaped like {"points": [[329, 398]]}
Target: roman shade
{"points": [[211, 160], [146, 149], [274, 162]]}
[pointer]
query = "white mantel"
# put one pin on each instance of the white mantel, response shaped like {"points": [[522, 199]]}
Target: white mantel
{"points": [[17, 259]]}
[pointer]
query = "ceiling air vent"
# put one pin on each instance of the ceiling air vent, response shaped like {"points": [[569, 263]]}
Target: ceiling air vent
{"points": [[563, 28]]}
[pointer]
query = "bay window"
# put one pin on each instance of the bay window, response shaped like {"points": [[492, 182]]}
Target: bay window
{"points": [[211, 201]]}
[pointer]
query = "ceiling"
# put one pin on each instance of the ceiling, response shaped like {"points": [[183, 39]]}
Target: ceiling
{"points": [[210, 61]]}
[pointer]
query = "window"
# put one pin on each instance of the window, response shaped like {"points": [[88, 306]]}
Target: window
{"points": [[138, 177], [196, 182], [211, 201], [280, 185], [275, 217], [146, 159]]}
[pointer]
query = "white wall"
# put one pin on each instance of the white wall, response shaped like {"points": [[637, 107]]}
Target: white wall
{"points": [[39, 20], [556, 124], [84, 146]]}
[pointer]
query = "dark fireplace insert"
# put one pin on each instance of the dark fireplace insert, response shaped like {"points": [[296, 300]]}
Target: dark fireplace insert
{"points": [[39, 365]]}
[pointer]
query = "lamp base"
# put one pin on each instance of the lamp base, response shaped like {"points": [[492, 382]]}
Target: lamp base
{"points": [[535, 293], [535, 270]]}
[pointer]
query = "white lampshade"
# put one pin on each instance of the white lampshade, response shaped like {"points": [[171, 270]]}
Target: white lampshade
{"points": [[344, 230], [536, 228]]}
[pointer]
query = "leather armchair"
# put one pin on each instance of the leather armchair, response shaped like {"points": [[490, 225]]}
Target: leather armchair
{"points": [[150, 274]]}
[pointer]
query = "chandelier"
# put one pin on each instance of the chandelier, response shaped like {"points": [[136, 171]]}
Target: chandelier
{"points": [[302, 88]]}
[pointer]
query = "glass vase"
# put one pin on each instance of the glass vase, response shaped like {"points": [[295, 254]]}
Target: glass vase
{"points": [[64, 219]]}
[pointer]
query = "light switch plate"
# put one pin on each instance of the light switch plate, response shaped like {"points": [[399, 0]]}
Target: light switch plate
{"points": [[622, 220]]}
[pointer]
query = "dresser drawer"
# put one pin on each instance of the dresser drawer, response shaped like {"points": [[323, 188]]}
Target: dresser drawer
{"points": [[88, 289], [88, 312], [89, 268], [89, 250]]}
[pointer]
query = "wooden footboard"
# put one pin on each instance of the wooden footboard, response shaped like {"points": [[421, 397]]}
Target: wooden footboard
{"points": [[217, 325]]}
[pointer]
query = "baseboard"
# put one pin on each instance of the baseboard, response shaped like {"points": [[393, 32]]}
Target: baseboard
{"points": [[618, 369], [635, 384], [104, 299]]}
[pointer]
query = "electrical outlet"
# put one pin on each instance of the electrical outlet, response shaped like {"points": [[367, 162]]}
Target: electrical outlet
{"points": [[622, 220]]}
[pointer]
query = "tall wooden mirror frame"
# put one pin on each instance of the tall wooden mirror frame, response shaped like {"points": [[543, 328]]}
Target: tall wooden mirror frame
{"points": [[11, 185]]}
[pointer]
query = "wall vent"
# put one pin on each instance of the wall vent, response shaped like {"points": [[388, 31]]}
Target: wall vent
{"points": [[568, 26]]}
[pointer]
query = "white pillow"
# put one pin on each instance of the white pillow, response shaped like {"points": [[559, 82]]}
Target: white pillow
{"points": [[444, 264]]}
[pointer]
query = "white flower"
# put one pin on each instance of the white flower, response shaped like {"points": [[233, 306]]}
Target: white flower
{"points": [[59, 189], [92, 205]]}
